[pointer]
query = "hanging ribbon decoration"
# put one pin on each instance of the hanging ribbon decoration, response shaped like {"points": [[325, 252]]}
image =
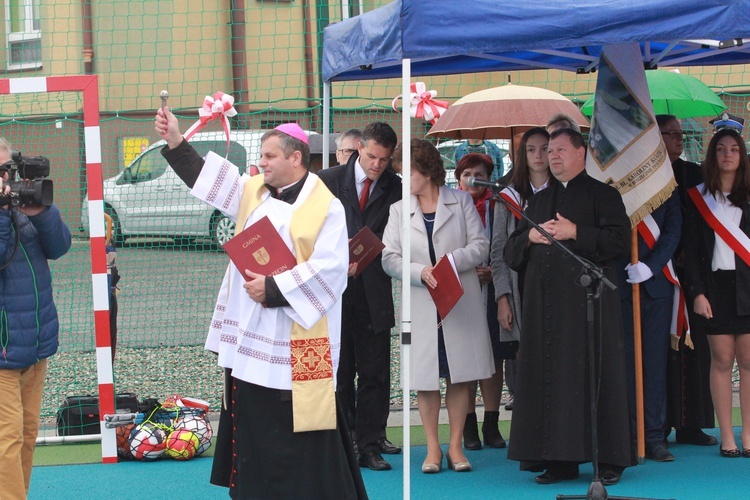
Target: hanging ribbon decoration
{"points": [[423, 103], [220, 106]]}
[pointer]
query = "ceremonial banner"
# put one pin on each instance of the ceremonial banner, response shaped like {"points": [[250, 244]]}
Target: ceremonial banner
{"points": [[625, 146], [626, 151]]}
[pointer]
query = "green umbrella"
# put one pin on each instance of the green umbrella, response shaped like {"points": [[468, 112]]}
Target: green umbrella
{"points": [[676, 94]]}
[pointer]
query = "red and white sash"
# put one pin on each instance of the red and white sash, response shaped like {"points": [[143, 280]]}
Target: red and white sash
{"points": [[717, 220], [649, 231], [512, 197]]}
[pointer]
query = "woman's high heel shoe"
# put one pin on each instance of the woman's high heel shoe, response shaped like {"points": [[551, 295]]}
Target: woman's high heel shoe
{"points": [[432, 468], [458, 466], [733, 453]]}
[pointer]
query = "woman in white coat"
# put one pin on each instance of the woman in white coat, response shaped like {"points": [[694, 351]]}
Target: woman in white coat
{"points": [[443, 221]]}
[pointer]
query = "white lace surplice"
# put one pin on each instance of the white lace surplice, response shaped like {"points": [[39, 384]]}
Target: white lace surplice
{"points": [[251, 340]]}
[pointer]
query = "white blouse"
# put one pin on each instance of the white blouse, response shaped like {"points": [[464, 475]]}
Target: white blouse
{"points": [[723, 254]]}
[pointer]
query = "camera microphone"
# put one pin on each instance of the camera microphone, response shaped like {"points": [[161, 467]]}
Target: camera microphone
{"points": [[494, 186]]}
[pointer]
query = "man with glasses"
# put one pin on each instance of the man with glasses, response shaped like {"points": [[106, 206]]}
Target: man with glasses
{"points": [[346, 144], [656, 295], [367, 188], [689, 405]]}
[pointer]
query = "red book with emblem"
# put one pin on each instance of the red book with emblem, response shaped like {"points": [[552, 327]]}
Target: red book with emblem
{"points": [[449, 288], [363, 248], [260, 249]]}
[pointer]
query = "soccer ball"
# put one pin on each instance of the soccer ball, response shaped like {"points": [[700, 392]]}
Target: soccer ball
{"points": [[198, 425], [147, 442], [182, 444], [123, 441]]}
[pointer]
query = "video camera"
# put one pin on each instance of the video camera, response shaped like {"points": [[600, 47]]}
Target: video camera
{"points": [[27, 182]]}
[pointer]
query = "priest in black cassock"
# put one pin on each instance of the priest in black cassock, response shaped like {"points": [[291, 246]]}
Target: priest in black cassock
{"points": [[552, 414]]}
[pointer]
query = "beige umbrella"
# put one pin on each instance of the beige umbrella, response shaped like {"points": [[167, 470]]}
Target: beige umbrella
{"points": [[502, 112]]}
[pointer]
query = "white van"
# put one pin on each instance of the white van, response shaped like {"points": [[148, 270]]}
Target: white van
{"points": [[149, 199]]}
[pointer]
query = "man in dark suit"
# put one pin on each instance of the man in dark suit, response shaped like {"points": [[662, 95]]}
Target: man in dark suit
{"points": [[367, 189], [656, 299]]}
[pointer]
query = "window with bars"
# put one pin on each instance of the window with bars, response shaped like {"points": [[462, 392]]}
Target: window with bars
{"points": [[24, 34]]}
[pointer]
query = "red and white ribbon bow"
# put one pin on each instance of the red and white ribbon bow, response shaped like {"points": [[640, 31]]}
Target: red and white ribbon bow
{"points": [[423, 103], [219, 105]]}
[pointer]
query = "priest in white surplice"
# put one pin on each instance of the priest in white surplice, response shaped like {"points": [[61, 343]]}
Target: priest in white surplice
{"points": [[278, 337]]}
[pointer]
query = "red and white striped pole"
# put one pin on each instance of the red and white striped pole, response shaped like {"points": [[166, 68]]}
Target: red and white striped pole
{"points": [[88, 86]]}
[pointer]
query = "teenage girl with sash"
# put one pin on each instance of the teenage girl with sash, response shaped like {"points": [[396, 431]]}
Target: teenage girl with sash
{"points": [[718, 276]]}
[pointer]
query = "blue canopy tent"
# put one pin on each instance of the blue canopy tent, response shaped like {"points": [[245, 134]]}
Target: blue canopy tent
{"points": [[482, 35], [424, 38]]}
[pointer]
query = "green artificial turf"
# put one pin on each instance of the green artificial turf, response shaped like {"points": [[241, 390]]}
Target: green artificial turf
{"points": [[396, 434], [80, 453], [68, 454]]}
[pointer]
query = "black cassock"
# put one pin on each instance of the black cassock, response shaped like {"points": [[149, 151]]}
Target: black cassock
{"points": [[551, 412], [689, 402]]}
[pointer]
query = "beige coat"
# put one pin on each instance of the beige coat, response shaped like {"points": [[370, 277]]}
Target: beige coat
{"points": [[458, 229]]}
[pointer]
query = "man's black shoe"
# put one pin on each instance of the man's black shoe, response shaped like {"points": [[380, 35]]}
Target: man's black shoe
{"points": [[558, 473], [610, 477], [387, 447], [373, 460], [610, 474], [694, 436], [658, 453]]}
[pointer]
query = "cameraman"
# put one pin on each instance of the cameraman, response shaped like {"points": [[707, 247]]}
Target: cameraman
{"points": [[29, 235]]}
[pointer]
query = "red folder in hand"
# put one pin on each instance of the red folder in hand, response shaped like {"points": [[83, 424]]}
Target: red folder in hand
{"points": [[449, 288], [260, 249], [363, 248]]}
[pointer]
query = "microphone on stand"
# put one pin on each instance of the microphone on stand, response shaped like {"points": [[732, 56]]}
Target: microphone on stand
{"points": [[494, 186]]}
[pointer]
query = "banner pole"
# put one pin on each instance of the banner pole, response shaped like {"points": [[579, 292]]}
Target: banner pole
{"points": [[638, 350]]}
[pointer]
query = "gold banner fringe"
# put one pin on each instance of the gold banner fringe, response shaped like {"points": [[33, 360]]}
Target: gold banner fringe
{"points": [[689, 341], [674, 341], [653, 203]]}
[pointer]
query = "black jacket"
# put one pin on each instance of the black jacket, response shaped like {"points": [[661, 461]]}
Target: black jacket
{"points": [[699, 251], [373, 285]]}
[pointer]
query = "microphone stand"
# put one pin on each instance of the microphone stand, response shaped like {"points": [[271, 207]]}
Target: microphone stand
{"points": [[592, 278]]}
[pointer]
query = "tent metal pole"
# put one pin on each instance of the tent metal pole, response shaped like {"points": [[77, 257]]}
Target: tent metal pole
{"points": [[326, 123], [406, 265]]}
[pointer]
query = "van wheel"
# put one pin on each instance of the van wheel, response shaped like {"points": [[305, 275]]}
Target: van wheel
{"points": [[222, 229]]}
